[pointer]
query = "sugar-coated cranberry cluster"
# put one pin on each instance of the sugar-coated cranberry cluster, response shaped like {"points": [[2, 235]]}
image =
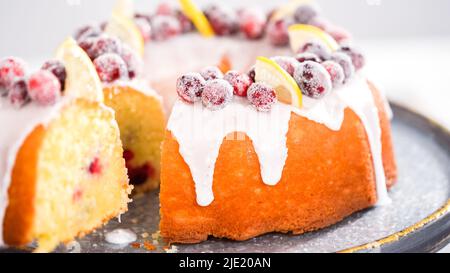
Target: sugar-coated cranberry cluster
{"points": [[215, 90], [44, 86]]}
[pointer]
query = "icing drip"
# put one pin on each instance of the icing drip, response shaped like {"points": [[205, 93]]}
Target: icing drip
{"points": [[17, 124], [200, 133]]}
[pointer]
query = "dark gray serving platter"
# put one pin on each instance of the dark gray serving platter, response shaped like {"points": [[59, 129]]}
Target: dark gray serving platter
{"points": [[418, 220]]}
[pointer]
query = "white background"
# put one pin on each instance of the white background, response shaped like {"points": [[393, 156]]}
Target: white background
{"points": [[407, 41]]}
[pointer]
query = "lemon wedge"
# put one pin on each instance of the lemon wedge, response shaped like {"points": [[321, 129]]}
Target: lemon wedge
{"points": [[197, 17], [288, 9], [82, 79], [126, 30], [124, 8], [269, 72], [300, 34]]}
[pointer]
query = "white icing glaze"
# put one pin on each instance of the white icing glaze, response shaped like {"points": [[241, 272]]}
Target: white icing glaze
{"points": [[120, 236], [200, 133], [17, 124]]}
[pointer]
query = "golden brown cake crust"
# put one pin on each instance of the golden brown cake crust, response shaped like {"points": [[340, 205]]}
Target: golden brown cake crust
{"points": [[328, 176]]}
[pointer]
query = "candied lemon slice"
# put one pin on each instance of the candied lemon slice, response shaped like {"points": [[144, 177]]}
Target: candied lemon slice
{"points": [[288, 9], [126, 30], [82, 79], [301, 34], [269, 72], [124, 8], [197, 17]]}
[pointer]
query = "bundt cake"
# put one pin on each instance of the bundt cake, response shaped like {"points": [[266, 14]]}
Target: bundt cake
{"points": [[296, 144], [61, 165]]}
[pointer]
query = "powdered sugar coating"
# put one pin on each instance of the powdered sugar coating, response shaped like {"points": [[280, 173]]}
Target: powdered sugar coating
{"points": [[305, 13], [104, 45], [18, 93], [44, 88], [165, 27], [217, 94], [307, 56], [313, 79], [252, 23], [287, 63], [223, 19], [87, 31], [321, 50], [111, 67], [336, 73], [277, 32], [190, 87], [356, 55], [346, 62], [339, 34], [11, 68], [240, 82], [211, 73], [134, 63], [262, 96], [58, 69]]}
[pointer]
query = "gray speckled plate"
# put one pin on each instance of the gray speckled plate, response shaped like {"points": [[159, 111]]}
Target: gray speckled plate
{"points": [[417, 220]]}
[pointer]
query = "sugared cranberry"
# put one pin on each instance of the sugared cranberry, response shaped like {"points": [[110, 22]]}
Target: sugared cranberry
{"points": [[139, 175], [240, 82], [132, 60], [345, 62], [58, 69], [339, 34], [336, 73], [165, 27], [165, 8], [217, 94], [287, 63], [95, 167], [262, 96], [87, 31], [190, 87], [185, 23], [145, 28], [252, 22], [277, 31], [18, 93], [111, 67], [44, 88], [307, 56], [211, 73], [10, 69], [321, 50], [103, 45], [304, 14], [223, 20], [357, 57], [313, 79], [86, 44], [252, 74]]}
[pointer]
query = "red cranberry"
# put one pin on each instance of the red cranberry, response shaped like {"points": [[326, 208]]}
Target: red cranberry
{"points": [[346, 62], [87, 43], [240, 82], [44, 88], [277, 32], [252, 23], [95, 167], [103, 45], [262, 96], [58, 69], [252, 74], [165, 27], [357, 57], [18, 93], [111, 67], [87, 31], [223, 20], [190, 87], [307, 56], [145, 28], [211, 73], [313, 79], [339, 34], [287, 63], [139, 175], [185, 23], [10, 69], [132, 60], [304, 14], [336, 73], [317, 48], [217, 94], [165, 8]]}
